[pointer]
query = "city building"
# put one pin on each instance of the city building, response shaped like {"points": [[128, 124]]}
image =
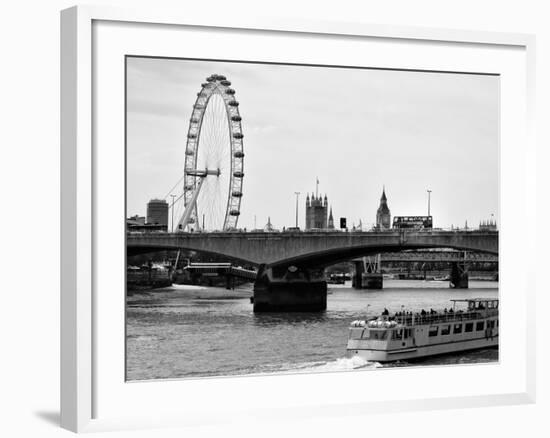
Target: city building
{"points": [[316, 212], [269, 226], [383, 215], [489, 225], [157, 212]]}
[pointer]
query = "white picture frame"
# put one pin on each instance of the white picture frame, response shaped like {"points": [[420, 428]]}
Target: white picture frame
{"points": [[84, 320]]}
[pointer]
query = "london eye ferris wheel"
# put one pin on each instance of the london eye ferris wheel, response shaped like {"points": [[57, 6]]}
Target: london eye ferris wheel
{"points": [[214, 160]]}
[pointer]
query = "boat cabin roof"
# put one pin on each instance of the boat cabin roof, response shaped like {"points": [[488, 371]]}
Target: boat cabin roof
{"points": [[478, 303], [475, 300]]}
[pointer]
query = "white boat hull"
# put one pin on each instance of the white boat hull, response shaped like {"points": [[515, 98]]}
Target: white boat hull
{"points": [[414, 352]]}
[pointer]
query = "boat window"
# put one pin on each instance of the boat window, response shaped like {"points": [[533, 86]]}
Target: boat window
{"points": [[397, 334], [457, 328], [490, 304], [356, 333], [491, 324], [445, 330], [469, 327], [433, 331], [480, 325], [378, 334]]}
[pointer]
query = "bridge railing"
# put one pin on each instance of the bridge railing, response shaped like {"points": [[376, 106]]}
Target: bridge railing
{"points": [[324, 231]]}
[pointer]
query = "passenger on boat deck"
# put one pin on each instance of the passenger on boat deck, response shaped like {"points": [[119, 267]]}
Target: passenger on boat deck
{"points": [[432, 311], [385, 312], [451, 311], [423, 313], [445, 310]]}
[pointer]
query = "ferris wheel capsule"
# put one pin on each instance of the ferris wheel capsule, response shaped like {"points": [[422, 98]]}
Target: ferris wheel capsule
{"points": [[238, 174], [233, 103], [225, 83], [230, 91], [238, 135], [238, 154], [236, 118]]}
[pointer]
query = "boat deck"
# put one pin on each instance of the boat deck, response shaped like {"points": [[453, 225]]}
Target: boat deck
{"points": [[435, 318]]}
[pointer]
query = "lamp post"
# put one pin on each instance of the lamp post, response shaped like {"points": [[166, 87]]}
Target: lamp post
{"points": [[173, 197], [429, 198], [297, 196]]}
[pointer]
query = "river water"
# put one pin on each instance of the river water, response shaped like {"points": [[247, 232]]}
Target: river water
{"points": [[191, 331]]}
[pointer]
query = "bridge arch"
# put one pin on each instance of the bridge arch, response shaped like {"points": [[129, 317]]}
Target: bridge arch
{"points": [[330, 257]]}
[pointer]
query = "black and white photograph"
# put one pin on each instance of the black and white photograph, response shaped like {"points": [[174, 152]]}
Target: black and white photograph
{"points": [[287, 218]]}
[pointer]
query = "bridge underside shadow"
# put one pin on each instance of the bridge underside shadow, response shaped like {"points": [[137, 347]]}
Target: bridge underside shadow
{"points": [[332, 257], [298, 283]]}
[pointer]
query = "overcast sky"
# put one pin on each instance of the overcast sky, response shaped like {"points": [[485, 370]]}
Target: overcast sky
{"points": [[354, 129]]}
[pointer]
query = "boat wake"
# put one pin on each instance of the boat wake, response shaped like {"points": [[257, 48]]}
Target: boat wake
{"points": [[340, 364], [185, 287]]}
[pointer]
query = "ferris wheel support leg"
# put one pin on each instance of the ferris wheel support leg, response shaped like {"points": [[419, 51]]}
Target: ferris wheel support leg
{"points": [[190, 207]]}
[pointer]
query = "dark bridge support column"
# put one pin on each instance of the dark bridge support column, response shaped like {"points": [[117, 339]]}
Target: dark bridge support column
{"points": [[459, 276], [290, 289], [370, 279], [357, 279]]}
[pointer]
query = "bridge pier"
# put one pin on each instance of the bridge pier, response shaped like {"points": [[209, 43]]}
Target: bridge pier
{"points": [[459, 276], [290, 289], [229, 282], [367, 274], [373, 281], [357, 278]]}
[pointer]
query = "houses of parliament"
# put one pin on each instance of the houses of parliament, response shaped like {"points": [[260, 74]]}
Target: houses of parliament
{"points": [[319, 214]]}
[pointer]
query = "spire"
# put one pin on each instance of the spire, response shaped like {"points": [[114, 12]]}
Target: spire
{"points": [[268, 226], [383, 198], [317, 188]]}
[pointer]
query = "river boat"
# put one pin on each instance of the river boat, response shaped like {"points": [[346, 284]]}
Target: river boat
{"points": [[336, 279], [407, 335]]}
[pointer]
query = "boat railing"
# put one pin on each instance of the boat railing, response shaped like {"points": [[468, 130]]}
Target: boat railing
{"points": [[435, 318]]}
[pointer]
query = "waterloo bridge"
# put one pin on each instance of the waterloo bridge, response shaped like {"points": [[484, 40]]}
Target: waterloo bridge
{"points": [[290, 264]]}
